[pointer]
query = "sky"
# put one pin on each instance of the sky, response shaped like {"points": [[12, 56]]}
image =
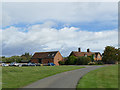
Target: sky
{"points": [[58, 26]]}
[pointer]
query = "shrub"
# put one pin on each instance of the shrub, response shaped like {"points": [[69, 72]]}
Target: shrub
{"points": [[91, 63], [61, 62], [99, 63], [83, 60], [72, 60], [96, 63]]}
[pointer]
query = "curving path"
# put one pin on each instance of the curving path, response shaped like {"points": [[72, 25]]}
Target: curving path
{"points": [[67, 79]]}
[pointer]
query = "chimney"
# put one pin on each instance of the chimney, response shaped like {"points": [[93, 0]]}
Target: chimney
{"points": [[88, 50], [79, 50]]}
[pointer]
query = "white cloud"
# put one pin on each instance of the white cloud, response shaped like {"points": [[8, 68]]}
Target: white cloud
{"points": [[14, 13], [42, 38]]}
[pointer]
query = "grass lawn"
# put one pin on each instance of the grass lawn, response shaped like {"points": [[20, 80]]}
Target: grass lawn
{"points": [[16, 77], [0, 78], [105, 77]]}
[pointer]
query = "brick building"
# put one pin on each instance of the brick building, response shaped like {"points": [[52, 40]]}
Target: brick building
{"points": [[47, 57], [96, 55]]}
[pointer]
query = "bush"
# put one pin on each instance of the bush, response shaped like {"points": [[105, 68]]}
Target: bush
{"points": [[99, 63], [96, 63], [91, 63], [72, 60], [61, 62], [83, 60]]}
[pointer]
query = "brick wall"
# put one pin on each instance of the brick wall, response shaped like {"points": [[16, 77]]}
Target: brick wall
{"points": [[58, 58]]}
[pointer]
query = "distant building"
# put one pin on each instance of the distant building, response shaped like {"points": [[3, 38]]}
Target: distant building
{"points": [[96, 55], [47, 57]]}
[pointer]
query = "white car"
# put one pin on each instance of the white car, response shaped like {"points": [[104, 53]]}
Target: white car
{"points": [[5, 65], [14, 64]]}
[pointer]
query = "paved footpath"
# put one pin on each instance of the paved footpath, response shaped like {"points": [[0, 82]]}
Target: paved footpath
{"points": [[67, 79]]}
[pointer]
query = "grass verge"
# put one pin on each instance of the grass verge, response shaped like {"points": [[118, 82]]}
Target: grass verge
{"points": [[105, 77], [0, 77], [16, 77]]}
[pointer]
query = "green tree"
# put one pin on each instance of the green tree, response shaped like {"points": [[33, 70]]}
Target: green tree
{"points": [[83, 60], [91, 57], [110, 55], [61, 62], [72, 60], [26, 56]]}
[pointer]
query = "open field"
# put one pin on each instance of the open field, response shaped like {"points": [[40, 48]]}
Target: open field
{"points": [[105, 77], [15, 77]]}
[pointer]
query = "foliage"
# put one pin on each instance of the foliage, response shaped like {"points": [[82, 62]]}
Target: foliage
{"points": [[17, 59], [96, 63], [72, 60], [83, 60], [99, 63], [26, 56], [91, 57], [12, 59], [61, 62], [110, 55], [91, 63]]}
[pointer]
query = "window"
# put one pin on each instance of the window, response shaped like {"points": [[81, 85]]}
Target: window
{"points": [[48, 54], [85, 55], [93, 56], [52, 54]]}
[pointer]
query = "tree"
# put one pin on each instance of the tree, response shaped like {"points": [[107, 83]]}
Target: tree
{"points": [[72, 60], [110, 55], [91, 57], [26, 56], [61, 62], [83, 60]]}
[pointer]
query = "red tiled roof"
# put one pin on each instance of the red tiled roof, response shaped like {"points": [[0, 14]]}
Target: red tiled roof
{"points": [[82, 53], [45, 54]]}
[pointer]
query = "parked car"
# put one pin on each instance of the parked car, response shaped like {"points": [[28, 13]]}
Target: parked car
{"points": [[31, 64], [51, 64], [5, 65], [37, 64], [24, 64], [14, 64]]}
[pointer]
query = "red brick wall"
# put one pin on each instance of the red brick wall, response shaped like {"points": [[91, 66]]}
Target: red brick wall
{"points": [[34, 60], [45, 61], [58, 58]]}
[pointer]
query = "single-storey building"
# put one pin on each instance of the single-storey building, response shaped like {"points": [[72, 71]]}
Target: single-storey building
{"points": [[47, 57], [96, 55]]}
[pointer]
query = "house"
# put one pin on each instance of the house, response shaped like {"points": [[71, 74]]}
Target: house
{"points": [[47, 57], [96, 55]]}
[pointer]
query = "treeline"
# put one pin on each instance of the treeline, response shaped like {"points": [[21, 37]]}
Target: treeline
{"points": [[111, 55], [23, 58]]}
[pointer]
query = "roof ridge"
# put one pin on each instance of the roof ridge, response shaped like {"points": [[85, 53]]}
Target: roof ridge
{"points": [[46, 52]]}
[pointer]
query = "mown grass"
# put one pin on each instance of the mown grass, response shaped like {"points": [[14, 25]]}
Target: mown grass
{"points": [[105, 77], [0, 78], [16, 77]]}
